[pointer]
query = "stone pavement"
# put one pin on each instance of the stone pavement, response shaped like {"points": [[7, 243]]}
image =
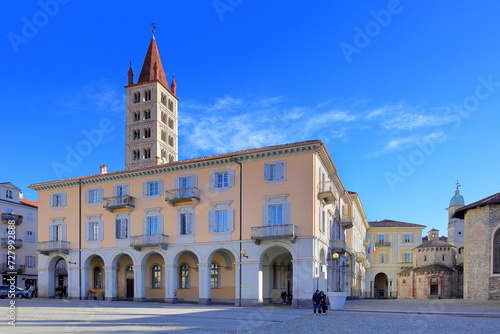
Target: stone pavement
{"points": [[365, 316]]}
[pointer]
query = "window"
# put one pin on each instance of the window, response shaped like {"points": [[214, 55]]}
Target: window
{"points": [[147, 95], [214, 275], [171, 123], [171, 141], [425, 258], [93, 231], [147, 153], [164, 117], [97, 277], [276, 211], [147, 132], [407, 238], [94, 196], [94, 227], [58, 200], [137, 154], [163, 136], [170, 105], [29, 261], [407, 257], [496, 252], [147, 114], [136, 134], [156, 276], [381, 239], [322, 218], [184, 276], [275, 172], [121, 228], [152, 189], [56, 233], [185, 186], [163, 99], [186, 223], [222, 180], [444, 257], [30, 215], [137, 116], [8, 194], [221, 217], [153, 225], [137, 97], [276, 215], [29, 236], [382, 258]]}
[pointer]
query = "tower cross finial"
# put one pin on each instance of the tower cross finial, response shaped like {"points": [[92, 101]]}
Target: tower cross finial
{"points": [[153, 24], [458, 184]]}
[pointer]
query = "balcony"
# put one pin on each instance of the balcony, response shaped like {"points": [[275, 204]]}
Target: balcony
{"points": [[119, 202], [181, 195], [260, 233], [6, 217], [346, 221], [155, 240], [366, 264], [405, 264], [382, 244], [19, 268], [360, 257], [18, 243], [325, 192], [47, 247], [366, 242], [338, 246]]}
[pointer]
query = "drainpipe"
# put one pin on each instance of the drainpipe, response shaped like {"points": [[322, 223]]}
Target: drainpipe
{"points": [[80, 239], [241, 216]]}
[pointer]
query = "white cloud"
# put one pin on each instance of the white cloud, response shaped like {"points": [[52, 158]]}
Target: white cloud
{"points": [[403, 143]]}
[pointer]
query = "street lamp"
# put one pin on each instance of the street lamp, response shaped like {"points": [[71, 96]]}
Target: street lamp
{"points": [[346, 265], [69, 260]]}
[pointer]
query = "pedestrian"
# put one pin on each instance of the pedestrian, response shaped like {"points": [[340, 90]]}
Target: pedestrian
{"points": [[325, 301], [65, 291], [283, 296], [35, 293], [316, 298], [31, 291], [290, 297]]}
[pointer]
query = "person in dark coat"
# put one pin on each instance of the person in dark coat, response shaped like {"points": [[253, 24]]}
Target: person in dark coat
{"points": [[283, 296], [316, 298], [324, 302]]}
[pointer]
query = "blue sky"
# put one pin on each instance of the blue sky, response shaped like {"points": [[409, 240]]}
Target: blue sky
{"points": [[404, 94]]}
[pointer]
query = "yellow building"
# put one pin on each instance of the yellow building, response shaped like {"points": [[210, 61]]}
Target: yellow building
{"points": [[236, 228], [394, 242]]}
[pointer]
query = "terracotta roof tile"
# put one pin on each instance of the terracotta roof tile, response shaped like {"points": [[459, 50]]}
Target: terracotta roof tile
{"points": [[493, 199], [392, 223], [29, 202], [148, 67]]}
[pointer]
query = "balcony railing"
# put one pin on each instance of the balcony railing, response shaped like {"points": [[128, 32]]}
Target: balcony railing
{"points": [[405, 264], [360, 257], [47, 247], [260, 233], [325, 192], [182, 195], [18, 243], [338, 246], [382, 244], [6, 217], [119, 202], [19, 268], [346, 221], [155, 240]]}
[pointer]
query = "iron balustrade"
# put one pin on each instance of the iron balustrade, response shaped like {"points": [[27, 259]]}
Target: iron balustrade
{"points": [[173, 196], [47, 247], [19, 268], [288, 231], [140, 241], [6, 217], [382, 244], [17, 243], [119, 202]]}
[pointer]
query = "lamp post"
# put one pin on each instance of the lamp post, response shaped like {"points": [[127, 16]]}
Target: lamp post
{"points": [[336, 256]]}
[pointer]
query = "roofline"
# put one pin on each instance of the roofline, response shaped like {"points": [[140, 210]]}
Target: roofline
{"points": [[357, 200], [333, 170]]}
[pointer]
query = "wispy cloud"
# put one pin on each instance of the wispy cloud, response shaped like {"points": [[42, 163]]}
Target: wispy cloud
{"points": [[402, 143]]}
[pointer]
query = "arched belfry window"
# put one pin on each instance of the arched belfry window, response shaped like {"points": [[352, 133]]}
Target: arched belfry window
{"points": [[496, 252]]}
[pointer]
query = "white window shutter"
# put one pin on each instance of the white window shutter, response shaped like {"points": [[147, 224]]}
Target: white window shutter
{"points": [[101, 194], [87, 229], [63, 199], [265, 217], [125, 189], [177, 182], [100, 230], [191, 223], [51, 233], [230, 219], [160, 186], [145, 189], [115, 191], [194, 181], [212, 180], [231, 177], [63, 232], [145, 226], [211, 221], [118, 229], [280, 170], [267, 172], [51, 200], [286, 213], [87, 196], [125, 228]]}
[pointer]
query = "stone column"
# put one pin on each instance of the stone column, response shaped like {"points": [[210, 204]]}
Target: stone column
{"points": [[73, 284], [251, 286], [45, 284], [204, 284], [139, 283], [237, 284], [111, 286], [85, 282], [171, 283], [303, 283]]}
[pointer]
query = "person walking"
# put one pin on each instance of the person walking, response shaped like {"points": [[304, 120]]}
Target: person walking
{"points": [[31, 290], [290, 298], [324, 302], [283, 296], [316, 298]]}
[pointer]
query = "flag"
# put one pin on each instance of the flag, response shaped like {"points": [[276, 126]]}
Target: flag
{"points": [[369, 249], [373, 247]]}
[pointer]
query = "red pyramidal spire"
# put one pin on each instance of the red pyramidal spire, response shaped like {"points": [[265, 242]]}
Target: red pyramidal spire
{"points": [[152, 69]]}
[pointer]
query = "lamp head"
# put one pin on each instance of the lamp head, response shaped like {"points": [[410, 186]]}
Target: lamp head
{"points": [[335, 255]]}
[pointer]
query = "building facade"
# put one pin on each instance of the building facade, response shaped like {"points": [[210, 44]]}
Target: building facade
{"points": [[19, 229], [482, 248], [456, 225], [394, 242], [232, 228]]}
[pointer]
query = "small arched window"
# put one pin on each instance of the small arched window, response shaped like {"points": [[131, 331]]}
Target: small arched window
{"points": [[156, 276], [496, 252], [184, 276], [97, 277], [8, 194], [215, 275]]}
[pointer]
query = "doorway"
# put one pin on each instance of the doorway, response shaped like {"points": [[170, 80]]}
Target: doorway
{"points": [[130, 288]]}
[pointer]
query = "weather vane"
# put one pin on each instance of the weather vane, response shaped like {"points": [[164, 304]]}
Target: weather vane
{"points": [[458, 185], [154, 26]]}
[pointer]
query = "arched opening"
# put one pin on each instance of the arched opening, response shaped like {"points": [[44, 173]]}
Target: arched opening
{"points": [[277, 275], [380, 285], [222, 277], [154, 265], [124, 267], [96, 277], [61, 276], [434, 286], [187, 277]]}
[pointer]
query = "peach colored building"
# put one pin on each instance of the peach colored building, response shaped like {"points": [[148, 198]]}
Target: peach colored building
{"points": [[233, 228]]}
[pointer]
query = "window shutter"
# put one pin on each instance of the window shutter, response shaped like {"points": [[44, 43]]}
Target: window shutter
{"points": [[191, 227], [87, 229], [118, 229], [267, 172], [101, 194], [211, 221], [212, 180], [231, 177], [160, 187], [51, 233], [280, 170], [51, 200], [125, 189], [115, 191], [177, 182], [230, 219], [286, 213], [125, 229], [100, 230], [145, 189], [87, 196], [194, 181], [63, 199], [145, 226], [265, 217]]}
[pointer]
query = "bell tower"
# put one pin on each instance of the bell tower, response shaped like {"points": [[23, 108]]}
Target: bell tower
{"points": [[151, 134], [455, 225]]}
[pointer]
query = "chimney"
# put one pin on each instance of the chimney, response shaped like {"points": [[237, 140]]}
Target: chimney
{"points": [[104, 169], [158, 160]]}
